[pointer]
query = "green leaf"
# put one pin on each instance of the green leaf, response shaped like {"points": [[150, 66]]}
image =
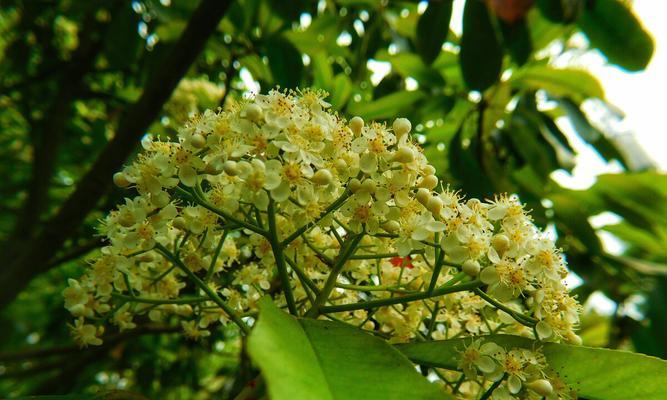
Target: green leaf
{"points": [[312, 359], [410, 65], [594, 373], [589, 133], [284, 61], [322, 71], [122, 41], [612, 28], [570, 82], [517, 40], [340, 91], [561, 11], [432, 29], [481, 56], [386, 107]]}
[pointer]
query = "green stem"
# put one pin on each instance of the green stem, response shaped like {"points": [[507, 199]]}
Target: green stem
{"points": [[372, 288], [209, 272], [520, 318], [403, 299], [381, 255], [203, 286], [436, 271], [330, 283], [279, 256], [302, 275], [198, 197], [184, 300], [489, 392], [332, 207]]}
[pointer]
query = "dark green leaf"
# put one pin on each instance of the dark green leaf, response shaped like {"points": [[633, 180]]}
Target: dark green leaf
{"points": [[481, 56], [122, 41], [432, 29], [387, 106], [612, 28], [574, 83], [561, 11], [285, 62], [311, 359], [340, 91], [517, 40]]}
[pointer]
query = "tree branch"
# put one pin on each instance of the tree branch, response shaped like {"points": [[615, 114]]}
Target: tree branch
{"points": [[132, 125]]}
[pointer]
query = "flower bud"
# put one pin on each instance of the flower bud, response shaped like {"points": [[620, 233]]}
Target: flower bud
{"points": [[161, 199], [120, 180], [354, 185], [402, 126], [230, 168], [471, 268], [391, 226], [434, 205], [198, 141], [126, 219], [369, 186], [428, 170], [179, 223], [404, 155], [501, 243], [573, 338], [214, 167], [340, 165], [322, 177], [429, 182], [253, 112], [423, 196], [541, 386], [356, 125]]}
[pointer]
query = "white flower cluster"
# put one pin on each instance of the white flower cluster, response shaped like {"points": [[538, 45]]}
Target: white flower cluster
{"points": [[279, 196], [516, 372]]}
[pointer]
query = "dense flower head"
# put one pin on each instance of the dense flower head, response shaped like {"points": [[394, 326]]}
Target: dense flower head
{"points": [[279, 196]]}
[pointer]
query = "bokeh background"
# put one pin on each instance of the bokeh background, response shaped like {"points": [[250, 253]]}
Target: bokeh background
{"points": [[558, 101]]}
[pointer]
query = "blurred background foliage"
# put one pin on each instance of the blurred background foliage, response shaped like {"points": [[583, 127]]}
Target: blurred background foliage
{"points": [[489, 98]]}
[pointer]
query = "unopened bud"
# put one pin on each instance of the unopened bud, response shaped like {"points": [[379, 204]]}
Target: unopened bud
{"points": [[369, 186], [198, 141], [391, 226], [230, 168], [322, 177], [354, 185], [423, 195], [471, 268], [402, 126], [214, 167], [434, 205], [179, 223], [501, 243], [253, 112], [541, 386], [404, 155], [120, 180], [429, 182], [356, 125]]}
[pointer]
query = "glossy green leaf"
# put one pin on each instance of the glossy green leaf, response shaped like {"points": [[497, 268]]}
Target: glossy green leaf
{"points": [[612, 28], [594, 373], [341, 90], [312, 359], [517, 40], [575, 83], [481, 55], [410, 65], [561, 11], [285, 62], [432, 29], [122, 41], [386, 107]]}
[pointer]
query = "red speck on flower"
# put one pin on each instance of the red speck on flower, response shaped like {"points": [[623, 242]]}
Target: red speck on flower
{"points": [[401, 262]]}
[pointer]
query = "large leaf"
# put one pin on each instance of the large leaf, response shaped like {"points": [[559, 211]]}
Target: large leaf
{"points": [[575, 83], [387, 106], [612, 28], [593, 372], [284, 61], [310, 359], [517, 40], [481, 56], [432, 29]]}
